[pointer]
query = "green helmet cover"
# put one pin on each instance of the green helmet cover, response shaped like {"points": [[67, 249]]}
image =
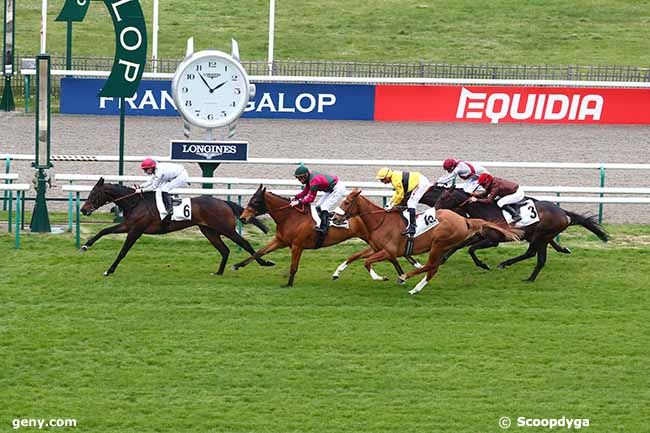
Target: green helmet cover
{"points": [[301, 170]]}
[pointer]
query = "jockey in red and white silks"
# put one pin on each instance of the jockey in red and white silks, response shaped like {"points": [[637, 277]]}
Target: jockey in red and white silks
{"points": [[467, 171]]}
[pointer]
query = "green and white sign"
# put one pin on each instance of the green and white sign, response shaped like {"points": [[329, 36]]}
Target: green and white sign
{"points": [[73, 10], [130, 48], [130, 43]]}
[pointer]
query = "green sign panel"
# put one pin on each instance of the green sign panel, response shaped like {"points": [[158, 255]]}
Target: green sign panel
{"points": [[130, 48], [130, 43], [73, 10]]}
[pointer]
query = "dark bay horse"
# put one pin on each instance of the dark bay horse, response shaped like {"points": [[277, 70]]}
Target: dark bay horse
{"points": [[295, 229], [553, 220], [213, 216], [385, 235]]}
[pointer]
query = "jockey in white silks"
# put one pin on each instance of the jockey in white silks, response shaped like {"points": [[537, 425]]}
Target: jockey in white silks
{"points": [[164, 178], [467, 171]]}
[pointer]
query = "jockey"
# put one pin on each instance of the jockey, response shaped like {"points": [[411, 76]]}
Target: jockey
{"points": [[509, 192], [467, 171], [409, 187], [313, 182], [164, 177]]}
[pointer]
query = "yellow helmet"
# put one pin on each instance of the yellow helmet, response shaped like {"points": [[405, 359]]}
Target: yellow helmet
{"points": [[384, 173]]}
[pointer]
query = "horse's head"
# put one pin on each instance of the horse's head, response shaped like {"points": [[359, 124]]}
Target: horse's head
{"points": [[349, 206], [256, 205], [451, 198], [96, 199]]}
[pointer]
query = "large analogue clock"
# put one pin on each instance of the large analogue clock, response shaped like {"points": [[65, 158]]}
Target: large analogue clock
{"points": [[210, 89]]}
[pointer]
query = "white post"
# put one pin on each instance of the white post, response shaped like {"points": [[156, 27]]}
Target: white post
{"points": [[43, 25], [271, 34], [154, 48]]}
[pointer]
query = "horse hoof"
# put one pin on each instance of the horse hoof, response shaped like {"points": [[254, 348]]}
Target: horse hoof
{"points": [[501, 266], [484, 266], [106, 274], [83, 249], [267, 263], [529, 280], [565, 251], [401, 280], [413, 292], [418, 265], [235, 267], [216, 273], [384, 278], [335, 277]]}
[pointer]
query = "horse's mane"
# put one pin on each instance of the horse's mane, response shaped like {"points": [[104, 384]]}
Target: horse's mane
{"points": [[278, 196], [119, 189]]}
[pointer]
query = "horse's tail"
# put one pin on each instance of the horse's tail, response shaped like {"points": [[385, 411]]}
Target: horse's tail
{"points": [[477, 225], [590, 222], [237, 210]]}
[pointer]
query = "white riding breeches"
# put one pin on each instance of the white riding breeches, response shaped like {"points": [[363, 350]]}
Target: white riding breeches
{"points": [[329, 200], [471, 186], [512, 198], [178, 182], [418, 192]]}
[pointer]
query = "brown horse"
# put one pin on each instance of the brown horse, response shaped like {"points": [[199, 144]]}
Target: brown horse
{"points": [[385, 235], [553, 220], [213, 216], [295, 229]]}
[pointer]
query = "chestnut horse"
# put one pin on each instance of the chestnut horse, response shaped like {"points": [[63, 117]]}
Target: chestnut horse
{"points": [[213, 216], [295, 229], [385, 235]]}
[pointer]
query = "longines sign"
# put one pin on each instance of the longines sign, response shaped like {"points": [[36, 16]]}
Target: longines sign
{"points": [[208, 151]]}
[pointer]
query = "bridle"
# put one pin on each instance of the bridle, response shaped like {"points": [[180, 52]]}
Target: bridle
{"points": [[347, 215]]}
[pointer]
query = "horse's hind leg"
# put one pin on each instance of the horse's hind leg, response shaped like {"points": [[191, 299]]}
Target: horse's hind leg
{"points": [[131, 238], [215, 240], [271, 246], [119, 228], [239, 240], [296, 252]]}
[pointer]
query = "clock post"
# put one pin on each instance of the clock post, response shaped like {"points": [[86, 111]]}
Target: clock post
{"points": [[211, 90]]}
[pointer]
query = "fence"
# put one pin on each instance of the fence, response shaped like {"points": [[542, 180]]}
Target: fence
{"points": [[422, 70]]}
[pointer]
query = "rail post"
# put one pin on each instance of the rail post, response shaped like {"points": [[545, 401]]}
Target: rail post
{"points": [[18, 193], [70, 210], [6, 193], [9, 211], [602, 185], [77, 224]]}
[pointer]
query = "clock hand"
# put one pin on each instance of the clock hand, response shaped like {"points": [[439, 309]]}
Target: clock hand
{"points": [[205, 82], [218, 85]]}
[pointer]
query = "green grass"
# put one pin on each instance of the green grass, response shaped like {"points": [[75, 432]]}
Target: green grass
{"points": [[163, 346], [611, 32]]}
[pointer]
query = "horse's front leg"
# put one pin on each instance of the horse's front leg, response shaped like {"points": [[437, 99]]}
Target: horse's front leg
{"points": [[354, 257], [131, 238], [119, 228], [271, 246], [296, 252]]}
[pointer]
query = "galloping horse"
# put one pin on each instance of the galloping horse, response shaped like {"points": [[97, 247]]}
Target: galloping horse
{"points": [[213, 216], [385, 236], [295, 229], [552, 221]]}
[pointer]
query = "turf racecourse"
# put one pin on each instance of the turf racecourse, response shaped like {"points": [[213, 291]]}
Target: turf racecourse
{"points": [[163, 346]]}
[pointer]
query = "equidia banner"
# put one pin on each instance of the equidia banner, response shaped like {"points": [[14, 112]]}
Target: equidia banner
{"points": [[284, 101], [498, 104]]}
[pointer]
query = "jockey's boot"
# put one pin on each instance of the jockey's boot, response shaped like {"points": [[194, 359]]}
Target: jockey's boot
{"points": [[324, 222], [410, 229], [167, 201], [513, 212]]}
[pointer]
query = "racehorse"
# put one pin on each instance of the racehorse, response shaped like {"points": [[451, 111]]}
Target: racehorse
{"points": [[213, 216], [384, 229], [295, 229], [553, 220]]}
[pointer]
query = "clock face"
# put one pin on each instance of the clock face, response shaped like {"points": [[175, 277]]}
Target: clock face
{"points": [[210, 89]]}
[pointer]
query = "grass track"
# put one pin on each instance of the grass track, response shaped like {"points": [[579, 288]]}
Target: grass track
{"points": [[164, 346]]}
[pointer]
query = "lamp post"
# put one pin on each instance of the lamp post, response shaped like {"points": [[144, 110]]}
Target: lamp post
{"points": [[7, 101], [40, 218]]}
